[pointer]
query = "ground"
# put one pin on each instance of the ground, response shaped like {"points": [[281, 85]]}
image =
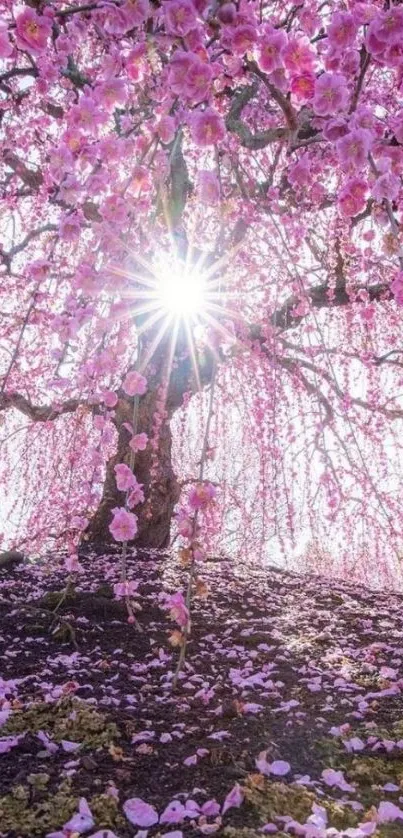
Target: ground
{"points": [[277, 663]]}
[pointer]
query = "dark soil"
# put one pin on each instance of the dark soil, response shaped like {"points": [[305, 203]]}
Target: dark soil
{"points": [[274, 663]]}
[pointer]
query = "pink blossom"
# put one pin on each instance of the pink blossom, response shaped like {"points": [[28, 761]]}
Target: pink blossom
{"points": [[177, 608], [227, 13], [139, 442], [140, 813], [388, 812], [310, 21], [32, 31], [393, 56], [109, 398], [373, 44], [336, 778], [342, 30], [82, 821], [8, 742], [350, 62], [179, 16], [198, 81], [114, 210], [6, 46], [388, 26], [70, 747], [135, 496], [208, 188], [243, 38], [298, 56], [386, 187], [233, 799], [178, 70], [125, 478], [331, 94], [279, 767], [353, 148], [396, 124], [134, 63], [174, 812], [125, 589], [111, 93], [300, 173], [38, 269], [134, 384], [201, 495], [136, 11], [61, 159], [268, 52], [334, 129], [207, 127], [364, 12], [166, 129], [70, 226], [86, 114], [124, 525], [185, 525], [211, 808], [303, 87], [397, 288]]}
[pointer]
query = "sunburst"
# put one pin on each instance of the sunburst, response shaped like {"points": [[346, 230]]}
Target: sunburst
{"points": [[170, 295]]}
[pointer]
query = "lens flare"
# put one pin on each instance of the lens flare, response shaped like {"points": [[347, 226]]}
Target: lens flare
{"points": [[180, 292]]}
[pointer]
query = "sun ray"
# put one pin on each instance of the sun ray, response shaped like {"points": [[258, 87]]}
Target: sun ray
{"points": [[155, 343], [193, 354]]}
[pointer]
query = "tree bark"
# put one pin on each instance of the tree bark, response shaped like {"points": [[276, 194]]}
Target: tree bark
{"points": [[161, 489]]}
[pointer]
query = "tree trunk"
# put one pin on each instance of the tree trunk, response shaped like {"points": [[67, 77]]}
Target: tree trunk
{"points": [[161, 488], [153, 468]]}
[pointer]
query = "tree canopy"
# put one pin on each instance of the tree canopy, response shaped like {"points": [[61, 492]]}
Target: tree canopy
{"points": [[252, 152]]}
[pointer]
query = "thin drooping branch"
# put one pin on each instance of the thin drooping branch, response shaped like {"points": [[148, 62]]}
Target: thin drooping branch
{"points": [[390, 413]]}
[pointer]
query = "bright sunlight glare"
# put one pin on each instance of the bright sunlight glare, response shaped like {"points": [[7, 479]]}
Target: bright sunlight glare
{"points": [[181, 292]]}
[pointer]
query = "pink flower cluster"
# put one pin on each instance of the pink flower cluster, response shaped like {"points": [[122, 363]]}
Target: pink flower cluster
{"points": [[139, 442], [6, 47], [32, 31], [125, 479], [177, 608], [125, 589], [179, 16], [385, 37], [134, 384], [331, 94], [124, 524], [207, 127], [352, 197], [189, 76], [397, 288], [202, 495]]}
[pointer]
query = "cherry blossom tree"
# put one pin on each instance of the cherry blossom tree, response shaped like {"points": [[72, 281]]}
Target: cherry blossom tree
{"points": [[248, 150]]}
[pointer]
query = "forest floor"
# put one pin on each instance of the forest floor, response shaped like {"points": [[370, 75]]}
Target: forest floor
{"points": [[288, 718]]}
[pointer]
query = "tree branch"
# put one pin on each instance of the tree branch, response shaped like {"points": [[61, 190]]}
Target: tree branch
{"points": [[33, 179], [318, 296], [235, 125], [37, 413]]}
